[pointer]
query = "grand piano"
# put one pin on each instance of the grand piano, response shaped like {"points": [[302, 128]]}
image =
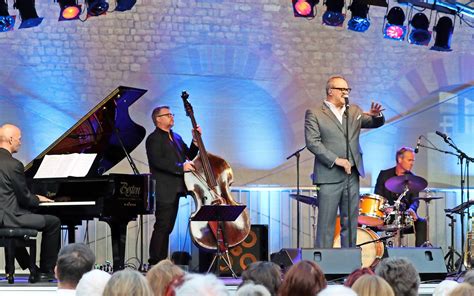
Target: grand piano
{"points": [[117, 199]]}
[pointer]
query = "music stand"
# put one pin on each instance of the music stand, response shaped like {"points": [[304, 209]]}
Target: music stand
{"points": [[219, 214]]}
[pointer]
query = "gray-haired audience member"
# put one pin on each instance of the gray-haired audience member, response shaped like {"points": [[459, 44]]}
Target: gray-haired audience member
{"points": [[202, 285], [337, 290], [127, 282], [445, 287], [263, 273], [92, 283], [469, 277], [74, 260], [250, 289], [401, 275]]}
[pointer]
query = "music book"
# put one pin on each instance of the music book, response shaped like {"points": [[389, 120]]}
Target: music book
{"points": [[65, 165]]}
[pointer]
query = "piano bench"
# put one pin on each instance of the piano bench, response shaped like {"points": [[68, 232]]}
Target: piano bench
{"points": [[10, 238]]}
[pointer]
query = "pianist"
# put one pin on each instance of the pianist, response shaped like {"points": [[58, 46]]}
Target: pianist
{"points": [[16, 202], [168, 158]]}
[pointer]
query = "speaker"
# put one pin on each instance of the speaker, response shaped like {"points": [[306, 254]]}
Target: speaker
{"points": [[335, 263], [254, 248], [429, 262]]}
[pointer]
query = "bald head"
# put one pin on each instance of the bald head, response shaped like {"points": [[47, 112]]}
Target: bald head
{"points": [[10, 137]]}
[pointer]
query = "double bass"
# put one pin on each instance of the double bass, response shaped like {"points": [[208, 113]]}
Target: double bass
{"points": [[209, 185]]}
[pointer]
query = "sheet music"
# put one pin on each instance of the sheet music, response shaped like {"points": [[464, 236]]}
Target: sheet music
{"points": [[65, 165]]}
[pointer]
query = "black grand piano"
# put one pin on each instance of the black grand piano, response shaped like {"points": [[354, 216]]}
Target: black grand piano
{"points": [[117, 199]]}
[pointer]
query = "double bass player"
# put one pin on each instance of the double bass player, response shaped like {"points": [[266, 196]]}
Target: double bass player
{"points": [[168, 158]]}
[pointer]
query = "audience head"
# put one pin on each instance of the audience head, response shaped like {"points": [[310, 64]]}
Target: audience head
{"points": [[250, 289], [267, 274], [463, 289], [202, 285], [401, 275], [357, 274], [74, 260], [445, 287], [337, 290], [469, 277], [10, 137], [92, 283], [161, 275], [303, 278], [127, 282], [372, 285]]}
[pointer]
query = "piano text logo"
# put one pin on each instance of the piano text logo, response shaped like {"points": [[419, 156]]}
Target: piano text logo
{"points": [[129, 190]]}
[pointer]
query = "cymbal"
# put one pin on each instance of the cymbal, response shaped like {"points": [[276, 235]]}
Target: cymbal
{"points": [[428, 198], [312, 201], [414, 183]]}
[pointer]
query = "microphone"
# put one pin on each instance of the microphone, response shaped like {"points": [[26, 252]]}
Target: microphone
{"points": [[418, 144], [346, 99], [443, 135]]}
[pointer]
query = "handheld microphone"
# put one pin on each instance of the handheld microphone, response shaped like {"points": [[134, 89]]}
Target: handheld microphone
{"points": [[418, 144], [443, 135]]}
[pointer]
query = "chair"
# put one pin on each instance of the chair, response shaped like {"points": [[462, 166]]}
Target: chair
{"points": [[10, 238]]}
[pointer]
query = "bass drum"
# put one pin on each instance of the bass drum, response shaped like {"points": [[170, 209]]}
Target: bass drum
{"points": [[371, 253]]}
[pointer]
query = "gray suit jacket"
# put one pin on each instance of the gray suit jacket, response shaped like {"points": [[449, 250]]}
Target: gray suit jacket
{"points": [[325, 138]]}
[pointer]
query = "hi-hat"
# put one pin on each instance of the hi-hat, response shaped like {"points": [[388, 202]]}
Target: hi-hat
{"points": [[312, 201], [428, 198], [414, 183]]}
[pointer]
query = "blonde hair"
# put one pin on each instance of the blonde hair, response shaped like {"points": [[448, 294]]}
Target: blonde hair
{"points": [[372, 285], [127, 282], [161, 275]]}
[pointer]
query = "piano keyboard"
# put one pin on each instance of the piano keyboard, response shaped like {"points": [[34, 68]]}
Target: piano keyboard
{"points": [[67, 203]]}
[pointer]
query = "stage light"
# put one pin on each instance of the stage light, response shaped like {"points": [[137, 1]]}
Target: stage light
{"points": [[123, 5], [419, 34], [7, 22], [359, 21], [97, 7], [444, 31], [333, 15], [69, 10], [304, 8], [394, 28], [28, 14]]}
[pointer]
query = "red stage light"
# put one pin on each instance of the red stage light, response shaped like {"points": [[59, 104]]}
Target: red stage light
{"points": [[303, 8], [71, 12]]}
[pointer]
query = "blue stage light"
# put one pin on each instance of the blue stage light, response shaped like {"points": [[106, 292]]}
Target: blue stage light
{"points": [[7, 22], [444, 31], [97, 7], [359, 21], [419, 34], [28, 14], [333, 15]]}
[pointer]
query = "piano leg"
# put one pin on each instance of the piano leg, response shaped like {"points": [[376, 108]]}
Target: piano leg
{"points": [[119, 236]]}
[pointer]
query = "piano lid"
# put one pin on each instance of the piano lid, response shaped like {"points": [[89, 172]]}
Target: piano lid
{"points": [[94, 133]]}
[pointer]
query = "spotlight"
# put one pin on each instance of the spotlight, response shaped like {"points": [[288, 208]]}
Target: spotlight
{"points": [[333, 15], [97, 7], [69, 10], [123, 5], [444, 31], [304, 8], [419, 34], [359, 21], [394, 28], [29, 17], [7, 22]]}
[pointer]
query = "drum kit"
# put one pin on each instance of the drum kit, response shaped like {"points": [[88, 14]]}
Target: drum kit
{"points": [[377, 215]]}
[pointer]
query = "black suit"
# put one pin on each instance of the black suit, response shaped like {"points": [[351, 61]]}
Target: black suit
{"points": [[16, 203], [408, 201], [166, 158]]}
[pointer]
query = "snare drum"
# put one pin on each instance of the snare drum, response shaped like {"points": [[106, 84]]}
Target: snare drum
{"points": [[371, 209], [371, 253]]}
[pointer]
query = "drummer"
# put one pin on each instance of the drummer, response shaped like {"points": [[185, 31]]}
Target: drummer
{"points": [[405, 158]]}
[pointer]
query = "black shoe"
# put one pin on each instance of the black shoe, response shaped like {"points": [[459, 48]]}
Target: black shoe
{"points": [[44, 277]]}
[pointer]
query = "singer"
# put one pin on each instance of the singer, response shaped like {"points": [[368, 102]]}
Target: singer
{"points": [[334, 174]]}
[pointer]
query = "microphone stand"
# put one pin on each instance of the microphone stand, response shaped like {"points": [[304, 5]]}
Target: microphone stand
{"points": [[297, 155], [464, 180], [349, 218]]}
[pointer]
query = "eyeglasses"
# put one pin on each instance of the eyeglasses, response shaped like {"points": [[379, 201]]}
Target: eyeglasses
{"points": [[167, 115], [348, 90]]}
